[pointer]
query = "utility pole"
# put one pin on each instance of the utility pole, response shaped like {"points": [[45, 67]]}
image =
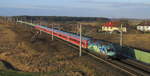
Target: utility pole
{"points": [[40, 20], [16, 20], [20, 19], [31, 23], [59, 27], [52, 32], [80, 52], [121, 35], [31, 19]]}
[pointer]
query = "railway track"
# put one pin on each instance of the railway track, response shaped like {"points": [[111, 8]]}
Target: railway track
{"points": [[129, 69], [137, 64]]}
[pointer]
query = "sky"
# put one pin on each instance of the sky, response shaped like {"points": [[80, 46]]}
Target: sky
{"points": [[81, 8]]}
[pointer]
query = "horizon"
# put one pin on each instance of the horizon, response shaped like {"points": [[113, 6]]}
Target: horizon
{"points": [[78, 16]]}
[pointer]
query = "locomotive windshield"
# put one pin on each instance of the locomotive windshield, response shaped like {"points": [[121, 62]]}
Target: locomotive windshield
{"points": [[110, 48]]}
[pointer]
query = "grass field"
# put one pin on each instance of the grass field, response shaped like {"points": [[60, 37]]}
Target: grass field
{"points": [[45, 57]]}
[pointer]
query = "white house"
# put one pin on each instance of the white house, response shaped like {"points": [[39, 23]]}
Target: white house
{"points": [[143, 28], [112, 29]]}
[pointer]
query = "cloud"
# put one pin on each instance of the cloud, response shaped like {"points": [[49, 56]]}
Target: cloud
{"points": [[82, 4], [114, 4], [93, 8]]}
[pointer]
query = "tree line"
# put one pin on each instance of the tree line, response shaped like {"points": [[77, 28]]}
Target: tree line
{"points": [[61, 18]]}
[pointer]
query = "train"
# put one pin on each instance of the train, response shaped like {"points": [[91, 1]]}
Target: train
{"points": [[99, 47], [96, 46]]}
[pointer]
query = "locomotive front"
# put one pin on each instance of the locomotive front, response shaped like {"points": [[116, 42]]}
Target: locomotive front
{"points": [[102, 48]]}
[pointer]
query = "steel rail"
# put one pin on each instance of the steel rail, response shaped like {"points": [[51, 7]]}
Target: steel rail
{"points": [[125, 69]]}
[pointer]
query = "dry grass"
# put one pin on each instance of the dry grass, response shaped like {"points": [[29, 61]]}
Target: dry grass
{"points": [[45, 55], [90, 23]]}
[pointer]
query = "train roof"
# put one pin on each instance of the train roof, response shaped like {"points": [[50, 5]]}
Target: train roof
{"points": [[55, 30], [66, 33]]}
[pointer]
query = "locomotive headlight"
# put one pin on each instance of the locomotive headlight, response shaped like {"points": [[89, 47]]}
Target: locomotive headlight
{"points": [[111, 52]]}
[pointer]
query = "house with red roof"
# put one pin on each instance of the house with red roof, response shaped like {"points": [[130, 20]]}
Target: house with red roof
{"points": [[112, 27]]}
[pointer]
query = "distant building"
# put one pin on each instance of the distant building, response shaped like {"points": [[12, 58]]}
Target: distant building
{"points": [[143, 28], [112, 27]]}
